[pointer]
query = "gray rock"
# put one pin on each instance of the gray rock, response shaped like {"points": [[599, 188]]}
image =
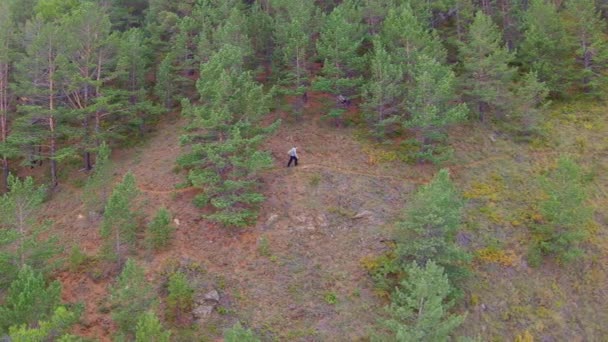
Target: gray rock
{"points": [[212, 295], [363, 214], [203, 311], [272, 219]]}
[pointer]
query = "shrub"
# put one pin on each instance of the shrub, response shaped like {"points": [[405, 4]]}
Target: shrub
{"points": [[159, 231], [180, 299], [239, 334]]}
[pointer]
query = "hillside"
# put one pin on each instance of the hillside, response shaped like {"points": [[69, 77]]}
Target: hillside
{"points": [[450, 181], [324, 218]]}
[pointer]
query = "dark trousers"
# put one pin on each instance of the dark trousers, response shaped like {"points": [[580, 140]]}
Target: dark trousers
{"points": [[292, 158]]}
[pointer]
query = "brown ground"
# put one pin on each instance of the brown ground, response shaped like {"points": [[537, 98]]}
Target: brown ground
{"points": [[322, 217], [315, 238]]}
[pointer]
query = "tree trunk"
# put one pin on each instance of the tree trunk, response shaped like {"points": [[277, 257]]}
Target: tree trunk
{"points": [[5, 170]]}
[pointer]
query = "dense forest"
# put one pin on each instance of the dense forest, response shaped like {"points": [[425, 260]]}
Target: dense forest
{"points": [[452, 170]]}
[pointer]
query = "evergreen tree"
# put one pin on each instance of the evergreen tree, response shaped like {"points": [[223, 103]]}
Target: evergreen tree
{"points": [[119, 218], [419, 306], [97, 187], [159, 230], [529, 99], [130, 297], [224, 136], [384, 91], [406, 37], [165, 87], [29, 299], [432, 220], [430, 103], [585, 25], [7, 37], [53, 329], [487, 76], [545, 46], [338, 45], [21, 233], [374, 12], [181, 297], [565, 212], [239, 334], [294, 27], [39, 81], [149, 329], [233, 31], [85, 69]]}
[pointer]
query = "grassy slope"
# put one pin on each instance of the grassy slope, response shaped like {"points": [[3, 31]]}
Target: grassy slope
{"points": [[297, 274]]}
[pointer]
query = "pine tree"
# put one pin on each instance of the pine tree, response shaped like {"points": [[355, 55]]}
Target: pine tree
{"points": [[432, 220], [545, 46], [431, 101], [419, 306], [585, 25], [7, 37], [374, 12], [19, 213], [119, 219], [56, 326], [530, 95], [406, 37], [29, 299], [38, 74], [339, 42], [97, 187], [159, 230], [384, 91], [294, 26], [237, 333], [85, 70], [130, 296], [487, 75], [165, 88], [181, 297], [565, 213], [149, 329], [225, 135]]}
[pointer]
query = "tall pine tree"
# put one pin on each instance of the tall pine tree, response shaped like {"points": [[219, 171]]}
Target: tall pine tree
{"points": [[487, 76]]}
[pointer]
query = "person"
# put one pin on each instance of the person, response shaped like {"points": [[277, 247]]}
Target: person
{"points": [[293, 156]]}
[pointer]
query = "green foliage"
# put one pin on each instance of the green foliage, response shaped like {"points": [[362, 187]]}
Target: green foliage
{"points": [[77, 258], [97, 187], [587, 29], [338, 45], [29, 299], [130, 296], [406, 37], [294, 26], [20, 233], [224, 136], [545, 46], [431, 100], [432, 220], [53, 329], [181, 297], [158, 234], [565, 213], [419, 306], [119, 220], [487, 75], [149, 329], [384, 91], [237, 333]]}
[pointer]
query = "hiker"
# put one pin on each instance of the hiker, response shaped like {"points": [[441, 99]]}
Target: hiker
{"points": [[293, 156]]}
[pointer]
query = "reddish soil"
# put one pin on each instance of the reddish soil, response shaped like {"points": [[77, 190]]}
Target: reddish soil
{"points": [[319, 220]]}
